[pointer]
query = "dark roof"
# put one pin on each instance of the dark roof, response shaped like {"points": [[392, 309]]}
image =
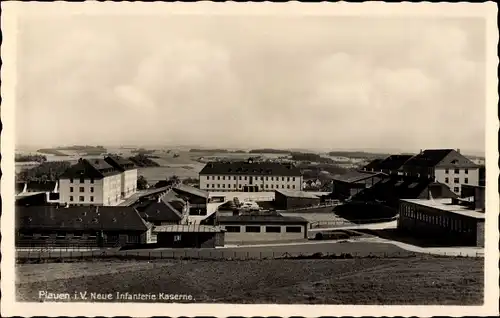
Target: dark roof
{"points": [[168, 208], [41, 186], [79, 218], [428, 158], [404, 187], [373, 164], [90, 168], [120, 163], [190, 190], [297, 194], [250, 168], [356, 176], [261, 219], [393, 162]]}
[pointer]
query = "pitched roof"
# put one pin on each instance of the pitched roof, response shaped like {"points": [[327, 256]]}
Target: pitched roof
{"points": [[191, 190], [446, 205], [393, 162], [356, 176], [41, 186], [79, 218], [297, 194], [168, 208], [90, 168], [428, 158], [120, 163], [250, 168], [261, 219], [373, 164]]}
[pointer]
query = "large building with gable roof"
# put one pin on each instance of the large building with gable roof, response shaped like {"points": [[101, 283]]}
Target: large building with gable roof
{"points": [[250, 176], [106, 182]]}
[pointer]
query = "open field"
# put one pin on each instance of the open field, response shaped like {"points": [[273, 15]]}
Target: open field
{"points": [[416, 281]]}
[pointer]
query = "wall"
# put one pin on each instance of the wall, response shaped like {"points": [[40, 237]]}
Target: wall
{"points": [[129, 182], [232, 237], [236, 183], [112, 190], [472, 175], [65, 191], [480, 240], [427, 223]]}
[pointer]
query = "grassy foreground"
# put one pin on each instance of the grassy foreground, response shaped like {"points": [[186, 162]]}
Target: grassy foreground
{"points": [[422, 280]]}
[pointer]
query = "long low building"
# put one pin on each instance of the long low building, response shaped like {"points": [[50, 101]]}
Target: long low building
{"points": [[263, 228], [285, 199], [454, 221]]}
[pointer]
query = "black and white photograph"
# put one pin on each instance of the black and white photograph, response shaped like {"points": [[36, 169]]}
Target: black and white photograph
{"points": [[307, 158]]}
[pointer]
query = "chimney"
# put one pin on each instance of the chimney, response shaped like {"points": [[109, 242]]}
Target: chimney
{"points": [[458, 150], [421, 151]]}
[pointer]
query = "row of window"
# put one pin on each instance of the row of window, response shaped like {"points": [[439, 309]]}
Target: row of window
{"points": [[457, 171], [82, 180], [82, 189], [81, 198], [256, 178], [456, 225], [269, 229], [79, 235], [262, 186], [456, 180]]}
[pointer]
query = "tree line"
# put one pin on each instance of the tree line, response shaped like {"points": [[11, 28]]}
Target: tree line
{"points": [[30, 158]]}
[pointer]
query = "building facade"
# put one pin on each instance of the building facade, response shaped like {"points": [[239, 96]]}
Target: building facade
{"points": [[447, 166], [249, 176], [442, 220], [262, 228], [96, 182]]}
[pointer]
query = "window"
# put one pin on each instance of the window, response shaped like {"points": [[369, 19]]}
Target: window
{"points": [[293, 186], [81, 199], [272, 186], [71, 198], [91, 180], [239, 186], [70, 189], [273, 229], [267, 178], [272, 178], [446, 170], [466, 180], [82, 180], [213, 185], [91, 199], [223, 178], [456, 180], [245, 177], [133, 239], [218, 177], [233, 229], [288, 186], [466, 171], [446, 180], [267, 186], [208, 178], [82, 189], [293, 229], [293, 179], [252, 229], [457, 170], [282, 178], [288, 179], [177, 238], [71, 180], [208, 185], [456, 189], [240, 177], [234, 178], [224, 185], [218, 186], [112, 237], [282, 186]]}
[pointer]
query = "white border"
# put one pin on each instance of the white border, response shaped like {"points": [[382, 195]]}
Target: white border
{"points": [[11, 10]]}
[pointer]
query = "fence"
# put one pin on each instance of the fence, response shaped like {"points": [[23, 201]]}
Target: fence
{"points": [[344, 222], [212, 255]]}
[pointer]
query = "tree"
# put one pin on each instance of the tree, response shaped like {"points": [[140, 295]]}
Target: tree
{"points": [[142, 183]]}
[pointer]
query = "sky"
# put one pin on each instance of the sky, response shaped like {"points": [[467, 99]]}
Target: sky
{"points": [[315, 82]]}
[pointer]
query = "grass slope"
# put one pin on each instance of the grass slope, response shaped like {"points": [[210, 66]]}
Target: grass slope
{"points": [[429, 281]]}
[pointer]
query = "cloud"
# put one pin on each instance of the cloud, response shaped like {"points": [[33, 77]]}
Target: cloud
{"points": [[229, 81]]}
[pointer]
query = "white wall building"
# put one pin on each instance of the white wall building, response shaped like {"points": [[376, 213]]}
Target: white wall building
{"points": [[447, 166], [249, 176], [97, 182]]}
